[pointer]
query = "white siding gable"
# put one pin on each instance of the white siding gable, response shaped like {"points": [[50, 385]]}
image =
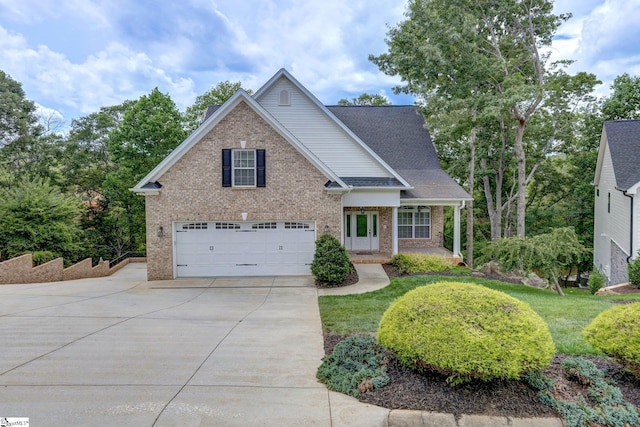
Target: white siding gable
{"points": [[612, 209], [319, 133]]}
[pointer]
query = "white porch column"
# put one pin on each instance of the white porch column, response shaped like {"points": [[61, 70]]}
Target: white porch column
{"points": [[394, 231], [456, 230]]}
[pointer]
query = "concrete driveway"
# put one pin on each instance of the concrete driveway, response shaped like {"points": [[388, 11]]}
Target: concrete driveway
{"points": [[192, 352]]}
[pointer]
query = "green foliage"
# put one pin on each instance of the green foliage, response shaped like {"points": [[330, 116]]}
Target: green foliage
{"points": [[549, 254], [150, 129], [624, 101], [331, 263], [596, 282], [616, 332], [41, 257], [35, 216], [466, 331], [366, 99], [633, 270], [216, 95], [419, 263], [355, 366], [605, 404]]}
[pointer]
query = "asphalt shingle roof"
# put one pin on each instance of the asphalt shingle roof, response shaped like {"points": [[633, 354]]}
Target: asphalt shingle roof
{"points": [[623, 137], [398, 135]]}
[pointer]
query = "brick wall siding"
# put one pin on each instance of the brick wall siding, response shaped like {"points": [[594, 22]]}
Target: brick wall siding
{"points": [[192, 188]]}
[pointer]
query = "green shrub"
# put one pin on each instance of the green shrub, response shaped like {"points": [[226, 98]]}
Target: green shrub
{"points": [[355, 366], [419, 263], [616, 332], [596, 282], [41, 257], [466, 331], [633, 269], [331, 264]]}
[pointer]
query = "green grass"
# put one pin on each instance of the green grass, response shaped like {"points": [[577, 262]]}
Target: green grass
{"points": [[566, 316]]}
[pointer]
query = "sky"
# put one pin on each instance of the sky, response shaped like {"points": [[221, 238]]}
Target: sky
{"points": [[74, 56]]}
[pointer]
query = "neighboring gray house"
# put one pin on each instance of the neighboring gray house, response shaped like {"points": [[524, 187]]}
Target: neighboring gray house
{"points": [[616, 238], [250, 190]]}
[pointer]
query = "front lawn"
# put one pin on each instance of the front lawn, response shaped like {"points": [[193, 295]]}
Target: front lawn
{"points": [[566, 316]]}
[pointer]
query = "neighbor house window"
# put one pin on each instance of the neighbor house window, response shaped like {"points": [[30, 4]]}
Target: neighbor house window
{"points": [[414, 223], [243, 168]]}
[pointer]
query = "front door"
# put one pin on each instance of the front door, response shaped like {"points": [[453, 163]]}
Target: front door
{"points": [[362, 231]]}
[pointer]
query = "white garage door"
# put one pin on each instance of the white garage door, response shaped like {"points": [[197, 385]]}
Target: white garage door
{"points": [[205, 249]]}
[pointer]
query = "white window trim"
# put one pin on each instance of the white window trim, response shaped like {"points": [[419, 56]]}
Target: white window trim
{"points": [[413, 225], [233, 168]]}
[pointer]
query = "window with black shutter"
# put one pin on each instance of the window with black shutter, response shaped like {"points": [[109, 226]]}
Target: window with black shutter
{"points": [[243, 168]]}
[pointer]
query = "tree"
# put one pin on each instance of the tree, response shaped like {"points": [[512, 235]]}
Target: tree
{"points": [[36, 216], [550, 254], [216, 95], [150, 129], [624, 101], [481, 62], [366, 99], [24, 149]]}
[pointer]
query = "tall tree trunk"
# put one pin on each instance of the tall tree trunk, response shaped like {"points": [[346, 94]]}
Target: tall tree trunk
{"points": [[522, 179], [470, 187]]}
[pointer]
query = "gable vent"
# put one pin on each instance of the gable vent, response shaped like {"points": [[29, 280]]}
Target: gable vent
{"points": [[284, 97]]}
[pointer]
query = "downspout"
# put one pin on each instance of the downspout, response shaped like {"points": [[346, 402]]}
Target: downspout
{"points": [[630, 227]]}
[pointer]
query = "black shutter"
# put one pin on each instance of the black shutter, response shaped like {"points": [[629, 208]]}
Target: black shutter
{"points": [[226, 167], [261, 168]]}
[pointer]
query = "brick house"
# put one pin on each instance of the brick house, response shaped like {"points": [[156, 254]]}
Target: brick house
{"points": [[249, 191]]}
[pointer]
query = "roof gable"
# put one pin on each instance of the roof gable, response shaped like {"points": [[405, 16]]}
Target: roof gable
{"points": [[318, 129], [146, 184], [623, 140]]}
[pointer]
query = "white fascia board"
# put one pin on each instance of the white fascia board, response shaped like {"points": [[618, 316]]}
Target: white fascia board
{"points": [[145, 192], [284, 73], [601, 152], [633, 190], [433, 202], [212, 121]]}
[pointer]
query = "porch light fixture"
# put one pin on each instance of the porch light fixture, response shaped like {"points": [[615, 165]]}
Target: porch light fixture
{"points": [[326, 228], [160, 231], [361, 211]]}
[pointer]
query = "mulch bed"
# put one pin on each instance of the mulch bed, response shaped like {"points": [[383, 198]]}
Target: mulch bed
{"points": [[409, 389]]}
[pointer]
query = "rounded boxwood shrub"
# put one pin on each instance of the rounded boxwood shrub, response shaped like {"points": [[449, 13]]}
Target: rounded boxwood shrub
{"points": [[616, 332], [331, 264], [466, 331]]}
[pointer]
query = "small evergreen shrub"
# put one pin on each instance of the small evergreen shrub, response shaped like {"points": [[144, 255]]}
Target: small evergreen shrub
{"points": [[331, 264], [596, 282], [605, 405], [616, 332], [41, 257], [419, 263], [633, 270], [466, 331], [355, 366]]}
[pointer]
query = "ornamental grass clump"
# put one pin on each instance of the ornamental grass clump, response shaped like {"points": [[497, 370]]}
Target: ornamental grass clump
{"points": [[616, 332], [466, 332]]}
